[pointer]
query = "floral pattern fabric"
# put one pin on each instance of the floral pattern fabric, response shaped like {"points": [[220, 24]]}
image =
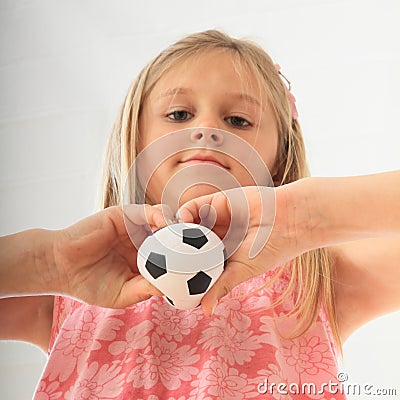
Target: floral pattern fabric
{"points": [[152, 351]]}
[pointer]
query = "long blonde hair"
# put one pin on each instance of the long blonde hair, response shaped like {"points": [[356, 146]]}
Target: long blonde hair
{"points": [[311, 273]]}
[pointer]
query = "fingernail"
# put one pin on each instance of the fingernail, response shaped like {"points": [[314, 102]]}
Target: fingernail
{"points": [[178, 217]]}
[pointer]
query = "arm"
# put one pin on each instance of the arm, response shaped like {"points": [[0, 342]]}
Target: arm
{"points": [[310, 213], [93, 260], [24, 257], [367, 283], [367, 271], [27, 319], [350, 208], [26, 266]]}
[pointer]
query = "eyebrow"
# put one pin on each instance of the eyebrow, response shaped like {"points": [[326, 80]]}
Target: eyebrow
{"points": [[175, 91], [245, 97], [235, 95]]}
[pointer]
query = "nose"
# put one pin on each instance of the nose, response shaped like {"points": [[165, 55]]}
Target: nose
{"points": [[207, 137]]}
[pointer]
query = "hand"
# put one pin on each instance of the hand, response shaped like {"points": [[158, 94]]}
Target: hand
{"points": [[271, 238], [95, 259]]}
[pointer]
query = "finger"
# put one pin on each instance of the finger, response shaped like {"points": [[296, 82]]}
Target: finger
{"points": [[208, 210], [208, 216], [234, 274], [185, 214], [159, 216], [136, 223], [136, 213], [141, 220], [189, 212], [134, 291]]}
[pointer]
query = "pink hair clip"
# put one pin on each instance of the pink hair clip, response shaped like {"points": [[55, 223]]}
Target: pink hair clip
{"points": [[292, 99]]}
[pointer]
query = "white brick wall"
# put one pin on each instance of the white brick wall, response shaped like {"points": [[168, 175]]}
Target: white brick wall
{"points": [[65, 66]]}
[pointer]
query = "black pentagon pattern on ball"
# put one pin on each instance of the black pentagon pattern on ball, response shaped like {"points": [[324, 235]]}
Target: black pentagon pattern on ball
{"points": [[199, 283], [170, 301], [194, 237], [225, 258], [156, 265]]}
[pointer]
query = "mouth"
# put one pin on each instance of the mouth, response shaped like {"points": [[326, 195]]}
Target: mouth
{"points": [[203, 159]]}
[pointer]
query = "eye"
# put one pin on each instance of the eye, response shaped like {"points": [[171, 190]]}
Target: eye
{"points": [[179, 115], [238, 121]]}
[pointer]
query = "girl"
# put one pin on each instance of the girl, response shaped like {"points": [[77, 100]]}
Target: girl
{"points": [[278, 330]]}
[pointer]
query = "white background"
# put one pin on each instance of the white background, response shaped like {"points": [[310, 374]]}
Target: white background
{"points": [[65, 67]]}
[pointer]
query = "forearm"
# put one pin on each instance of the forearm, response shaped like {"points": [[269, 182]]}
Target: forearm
{"points": [[25, 263], [27, 318], [335, 210]]}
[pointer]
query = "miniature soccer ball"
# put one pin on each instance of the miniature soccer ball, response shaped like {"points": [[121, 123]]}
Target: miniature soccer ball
{"points": [[183, 261]]}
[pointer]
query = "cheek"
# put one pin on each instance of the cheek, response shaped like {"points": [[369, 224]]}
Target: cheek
{"points": [[242, 173], [267, 148], [268, 151], [160, 182], [157, 182], [148, 129]]}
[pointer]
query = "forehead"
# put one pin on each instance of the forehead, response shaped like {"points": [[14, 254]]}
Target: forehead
{"points": [[210, 69]]}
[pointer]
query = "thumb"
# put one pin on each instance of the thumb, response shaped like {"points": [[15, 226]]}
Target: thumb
{"points": [[234, 274], [134, 291]]}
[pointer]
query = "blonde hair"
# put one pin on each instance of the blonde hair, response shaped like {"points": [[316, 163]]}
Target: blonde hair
{"points": [[311, 273]]}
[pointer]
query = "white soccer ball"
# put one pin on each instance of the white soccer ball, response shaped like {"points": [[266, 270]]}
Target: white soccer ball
{"points": [[183, 261]]}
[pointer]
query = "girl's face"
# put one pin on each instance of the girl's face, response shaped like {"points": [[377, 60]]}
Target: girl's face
{"points": [[207, 91]]}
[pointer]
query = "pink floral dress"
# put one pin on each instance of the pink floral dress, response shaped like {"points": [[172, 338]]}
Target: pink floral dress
{"points": [[153, 351]]}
